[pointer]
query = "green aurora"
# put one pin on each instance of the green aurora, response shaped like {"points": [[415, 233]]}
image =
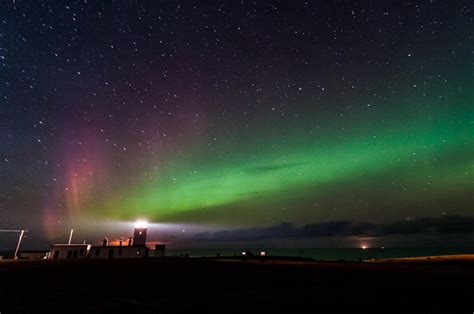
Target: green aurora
{"points": [[421, 163]]}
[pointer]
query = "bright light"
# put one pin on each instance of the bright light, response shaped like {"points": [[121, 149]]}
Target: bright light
{"points": [[244, 253], [363, 247], [141, 224], [263, 253]]}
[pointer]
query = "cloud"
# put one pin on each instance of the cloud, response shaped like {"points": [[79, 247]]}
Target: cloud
{"points": [[272, 167], [446, 225]]}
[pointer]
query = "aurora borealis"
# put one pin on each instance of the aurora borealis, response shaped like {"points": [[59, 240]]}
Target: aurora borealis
{"points": [[234, 114]]}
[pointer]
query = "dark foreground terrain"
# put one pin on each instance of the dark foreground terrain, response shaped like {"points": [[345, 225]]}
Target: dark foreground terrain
{"points": [[174, 285]]}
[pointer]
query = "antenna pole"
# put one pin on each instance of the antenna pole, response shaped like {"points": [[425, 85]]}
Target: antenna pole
{"points": [[70, 236], [15, 256]]}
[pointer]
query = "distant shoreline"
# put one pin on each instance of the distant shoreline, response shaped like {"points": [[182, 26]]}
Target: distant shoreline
{"points": [[433, 258]]}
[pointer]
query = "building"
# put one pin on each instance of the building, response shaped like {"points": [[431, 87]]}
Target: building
{"points": [[134, 248], [131, 250], [32, 254], [69, 251]]}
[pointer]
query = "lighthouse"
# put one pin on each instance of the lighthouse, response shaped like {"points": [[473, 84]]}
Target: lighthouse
{"points": [[136, 247], [139, 235]]}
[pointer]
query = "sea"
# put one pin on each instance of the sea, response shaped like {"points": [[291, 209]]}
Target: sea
{"points": [[327, 254]]}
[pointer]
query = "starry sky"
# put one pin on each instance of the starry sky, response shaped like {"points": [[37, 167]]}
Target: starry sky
{"points": [[234, 114]]}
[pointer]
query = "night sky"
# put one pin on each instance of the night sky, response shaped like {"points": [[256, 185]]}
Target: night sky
{"points": [[219, 115]]}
